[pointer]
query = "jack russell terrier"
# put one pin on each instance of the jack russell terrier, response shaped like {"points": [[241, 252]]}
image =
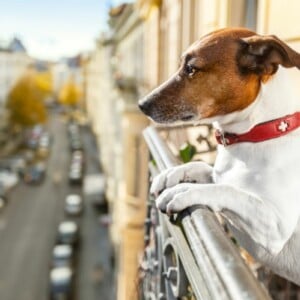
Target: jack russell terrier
{"points": [[239, 81]]}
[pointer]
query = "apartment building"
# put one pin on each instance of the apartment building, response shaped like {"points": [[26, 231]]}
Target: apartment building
{"points": [[14, 60], [141, 50]]}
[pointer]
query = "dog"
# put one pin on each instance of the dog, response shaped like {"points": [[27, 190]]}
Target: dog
{"points": [[239, 81]]}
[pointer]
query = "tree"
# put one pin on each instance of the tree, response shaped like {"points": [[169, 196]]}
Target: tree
{"points": [[44, 82], [70, 93], [26, 98]]}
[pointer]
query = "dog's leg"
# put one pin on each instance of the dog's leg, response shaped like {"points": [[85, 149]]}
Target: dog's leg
{"points": [[197, 172], [265, 224]]}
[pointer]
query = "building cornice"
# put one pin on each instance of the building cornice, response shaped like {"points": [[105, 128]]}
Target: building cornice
{"points": [[144, 7], [126, 23]]}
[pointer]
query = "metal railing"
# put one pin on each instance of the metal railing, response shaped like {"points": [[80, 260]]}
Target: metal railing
{"points": [[190, 256]]}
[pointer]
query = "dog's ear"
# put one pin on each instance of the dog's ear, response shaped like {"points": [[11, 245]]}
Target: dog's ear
{"points": [[263, 54]]}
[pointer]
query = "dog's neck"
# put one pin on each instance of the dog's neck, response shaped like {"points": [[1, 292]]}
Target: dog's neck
{"points": [[276, 98]]}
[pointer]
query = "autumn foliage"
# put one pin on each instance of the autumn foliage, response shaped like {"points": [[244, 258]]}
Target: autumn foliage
{"points": [[26, 98], [69, 94]]}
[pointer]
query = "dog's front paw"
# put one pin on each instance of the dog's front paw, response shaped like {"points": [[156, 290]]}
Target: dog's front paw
{"points": [[166, 179], [177, 198], [195, 172]]}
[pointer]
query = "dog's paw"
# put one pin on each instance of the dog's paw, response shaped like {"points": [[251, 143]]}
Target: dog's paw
{"points": [[177, 198], [195, 172], [183, 195], [166, 179]]}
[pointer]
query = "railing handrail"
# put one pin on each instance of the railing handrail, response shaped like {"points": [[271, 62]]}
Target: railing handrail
{"points": [[212, 263]]}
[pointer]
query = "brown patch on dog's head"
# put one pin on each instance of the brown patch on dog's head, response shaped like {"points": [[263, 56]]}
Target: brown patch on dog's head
{"points": [[219, 74]]}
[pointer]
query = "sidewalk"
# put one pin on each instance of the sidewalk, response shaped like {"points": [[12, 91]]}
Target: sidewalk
{"points": [[11, 146]]}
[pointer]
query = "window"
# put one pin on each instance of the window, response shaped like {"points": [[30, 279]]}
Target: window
{"points": [[242, 13]]}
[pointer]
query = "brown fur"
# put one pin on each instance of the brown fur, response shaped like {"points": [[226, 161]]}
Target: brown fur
{"points": [[218, 75]]}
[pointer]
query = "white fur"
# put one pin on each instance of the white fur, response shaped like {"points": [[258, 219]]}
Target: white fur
{"points": [[256, 186]]}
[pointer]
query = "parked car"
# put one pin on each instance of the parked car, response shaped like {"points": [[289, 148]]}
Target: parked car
{"points": [[33, 137], [94, 190], [73, 205], [68, 233], [43, 147], [76, 144], [35, 174], [32, 143], [74, 137], [62, 256], [8, 179], [73, 129], [99, 202], [44, 140], [75, 176], [61, 283], [15, 164], [42, 152], [76, 165], [77, 157]]}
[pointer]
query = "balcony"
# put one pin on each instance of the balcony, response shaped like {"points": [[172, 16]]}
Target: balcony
{"points": [[189, 255]]}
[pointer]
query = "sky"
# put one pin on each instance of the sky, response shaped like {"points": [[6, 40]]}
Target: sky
{"points": [[51, 29]]}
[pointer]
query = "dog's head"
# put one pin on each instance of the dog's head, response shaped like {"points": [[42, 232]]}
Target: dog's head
{"points": [[219, 74]]}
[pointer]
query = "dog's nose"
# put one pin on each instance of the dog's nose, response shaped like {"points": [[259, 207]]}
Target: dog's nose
{"points": [[144, 106]]}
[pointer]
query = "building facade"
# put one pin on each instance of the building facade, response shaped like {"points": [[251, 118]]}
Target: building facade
{"points": [[141, 50], [114, 80], [68, 69], [14, 61]]}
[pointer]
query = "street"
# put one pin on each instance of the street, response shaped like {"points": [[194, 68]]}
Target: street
{"points": [[28, 229], [95, 278]]}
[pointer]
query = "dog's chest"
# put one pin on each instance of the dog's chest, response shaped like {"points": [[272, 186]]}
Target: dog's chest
{"points": [[239, 168], [260, 168]]}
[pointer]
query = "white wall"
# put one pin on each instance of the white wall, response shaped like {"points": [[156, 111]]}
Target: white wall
{"points": [[12, 66]]}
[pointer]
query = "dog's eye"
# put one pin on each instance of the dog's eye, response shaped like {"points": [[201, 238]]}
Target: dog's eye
{"points": [[190, 70]]}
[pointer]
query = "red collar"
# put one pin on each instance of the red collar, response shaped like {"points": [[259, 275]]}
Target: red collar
{"points": [[261, 132]]}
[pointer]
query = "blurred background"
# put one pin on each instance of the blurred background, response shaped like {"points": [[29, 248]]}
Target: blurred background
{"points": [[73, 161]]}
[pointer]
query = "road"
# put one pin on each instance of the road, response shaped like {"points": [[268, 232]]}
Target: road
{"points": [[28, 229], [95, 276]]}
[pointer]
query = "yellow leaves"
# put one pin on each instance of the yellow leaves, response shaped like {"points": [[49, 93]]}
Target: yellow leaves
{"points": [[44, 81], [69, 94], [26, 99]]}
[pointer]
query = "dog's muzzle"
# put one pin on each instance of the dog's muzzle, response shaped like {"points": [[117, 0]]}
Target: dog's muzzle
{"points": [[163, 114]]}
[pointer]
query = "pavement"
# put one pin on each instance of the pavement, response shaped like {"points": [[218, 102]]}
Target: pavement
{"points": [[11, 145], [28, 229]]}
